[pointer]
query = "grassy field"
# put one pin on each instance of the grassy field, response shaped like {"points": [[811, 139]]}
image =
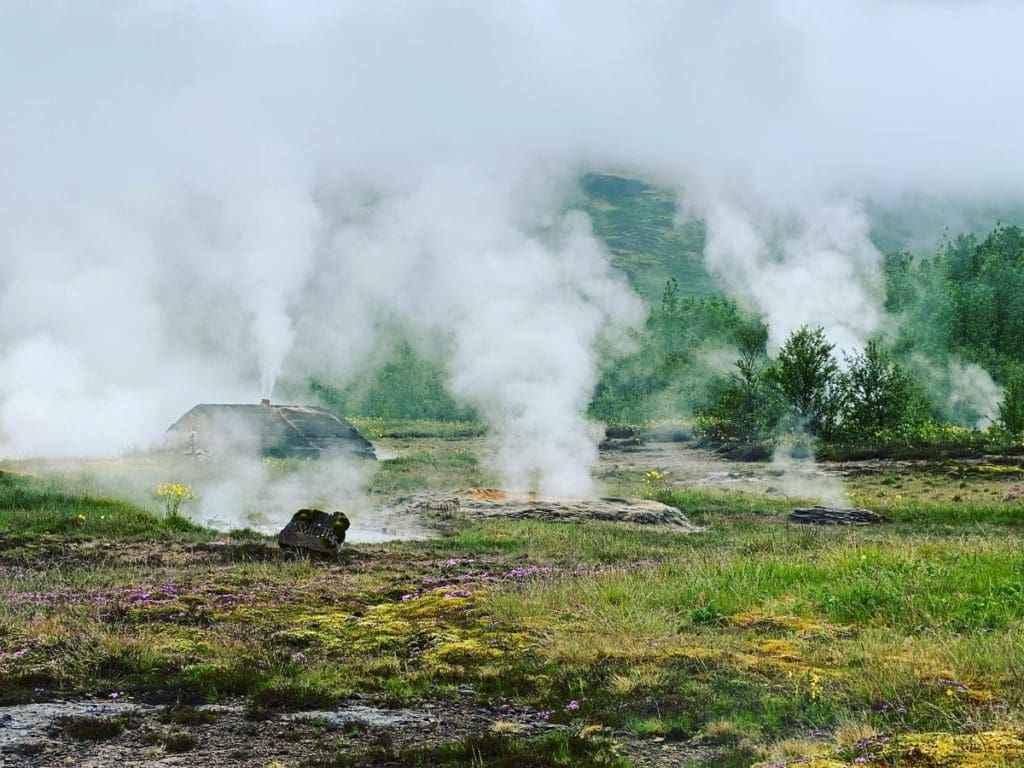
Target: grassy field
{"points": [[758, 642]]}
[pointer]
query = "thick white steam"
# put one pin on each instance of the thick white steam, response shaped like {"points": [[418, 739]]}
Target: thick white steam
{"points": [[200, 197], [518, 298], [814, 265]]}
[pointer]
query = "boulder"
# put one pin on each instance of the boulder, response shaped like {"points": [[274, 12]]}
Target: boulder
{"points": [[313, 530], [836, 516]]}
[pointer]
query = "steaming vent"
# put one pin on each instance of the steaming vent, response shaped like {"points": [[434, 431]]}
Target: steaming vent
{"points": [[279, 431]]}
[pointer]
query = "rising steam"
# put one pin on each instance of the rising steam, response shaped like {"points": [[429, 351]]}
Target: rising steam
{"points": [[201, 198]]}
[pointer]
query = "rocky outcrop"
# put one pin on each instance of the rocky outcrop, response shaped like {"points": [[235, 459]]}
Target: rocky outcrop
{"points": [[836, 516], [493, 504]]}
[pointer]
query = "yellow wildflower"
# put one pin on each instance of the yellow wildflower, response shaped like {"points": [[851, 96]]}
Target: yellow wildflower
{"points": [[174, 495]]}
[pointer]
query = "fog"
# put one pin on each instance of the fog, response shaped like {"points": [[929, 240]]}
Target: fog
{"points": [[199, 198]]}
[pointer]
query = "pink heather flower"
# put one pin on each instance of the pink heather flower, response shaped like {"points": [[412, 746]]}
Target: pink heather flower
{"points": [[572, 705]]}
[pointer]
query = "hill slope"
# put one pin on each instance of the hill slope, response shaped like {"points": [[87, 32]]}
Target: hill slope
{"points": [[637, 222]]}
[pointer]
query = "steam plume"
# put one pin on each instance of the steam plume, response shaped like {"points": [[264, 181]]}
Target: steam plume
{"points": [[199, 198]]}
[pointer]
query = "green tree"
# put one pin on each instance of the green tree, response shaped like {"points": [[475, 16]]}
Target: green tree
{"points": [[743, 412], [879, 400], [669, 372], [805, 373], [1011, 410], [967, 300], [408, 385]]}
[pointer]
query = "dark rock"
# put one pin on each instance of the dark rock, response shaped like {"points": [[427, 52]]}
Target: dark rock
{"points": [[836, 516], [748, 452], [666, 434], [621, 444], [315, 531]]}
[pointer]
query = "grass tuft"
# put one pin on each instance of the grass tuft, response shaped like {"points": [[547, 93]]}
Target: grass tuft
{"points": [[90, 728]]}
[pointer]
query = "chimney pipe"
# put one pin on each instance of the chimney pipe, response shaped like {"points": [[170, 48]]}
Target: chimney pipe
{"points": [[265, 401]]}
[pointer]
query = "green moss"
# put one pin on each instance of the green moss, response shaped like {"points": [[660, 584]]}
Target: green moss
{"points": [[378, 427], [989, 749], [212, 680], [946, 750]]}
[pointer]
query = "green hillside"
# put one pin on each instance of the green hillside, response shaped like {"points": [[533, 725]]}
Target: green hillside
{"points": [[637, 223]]}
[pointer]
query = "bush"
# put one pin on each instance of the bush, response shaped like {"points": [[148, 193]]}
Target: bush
{"points": [[805, 374]]}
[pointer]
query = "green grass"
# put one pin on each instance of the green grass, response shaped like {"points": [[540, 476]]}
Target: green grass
{"points": [[88, 728], [744, 637], [431, 468], [376, 428], [576, 749], [30, 508]]}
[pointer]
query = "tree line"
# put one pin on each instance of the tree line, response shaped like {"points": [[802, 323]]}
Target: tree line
{"points": [[703, 357]]}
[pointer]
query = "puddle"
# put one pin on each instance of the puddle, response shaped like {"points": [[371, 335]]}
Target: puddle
{"points": [[367, 536]]}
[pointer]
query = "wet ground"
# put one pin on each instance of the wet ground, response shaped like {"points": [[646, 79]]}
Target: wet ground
{"points": [[222, 735]]}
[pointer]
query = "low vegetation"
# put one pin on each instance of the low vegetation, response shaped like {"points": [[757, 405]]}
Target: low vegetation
{"points": [[757, 642], [578, 749]]}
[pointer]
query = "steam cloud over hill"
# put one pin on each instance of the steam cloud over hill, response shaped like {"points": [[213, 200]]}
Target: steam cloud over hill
{"points": [[201, 197]]}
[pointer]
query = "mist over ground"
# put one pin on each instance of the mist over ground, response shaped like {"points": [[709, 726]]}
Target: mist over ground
{"points": [[201, 199]]}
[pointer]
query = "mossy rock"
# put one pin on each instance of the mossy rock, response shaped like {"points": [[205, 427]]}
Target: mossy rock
{"points": [[315, 531]]}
